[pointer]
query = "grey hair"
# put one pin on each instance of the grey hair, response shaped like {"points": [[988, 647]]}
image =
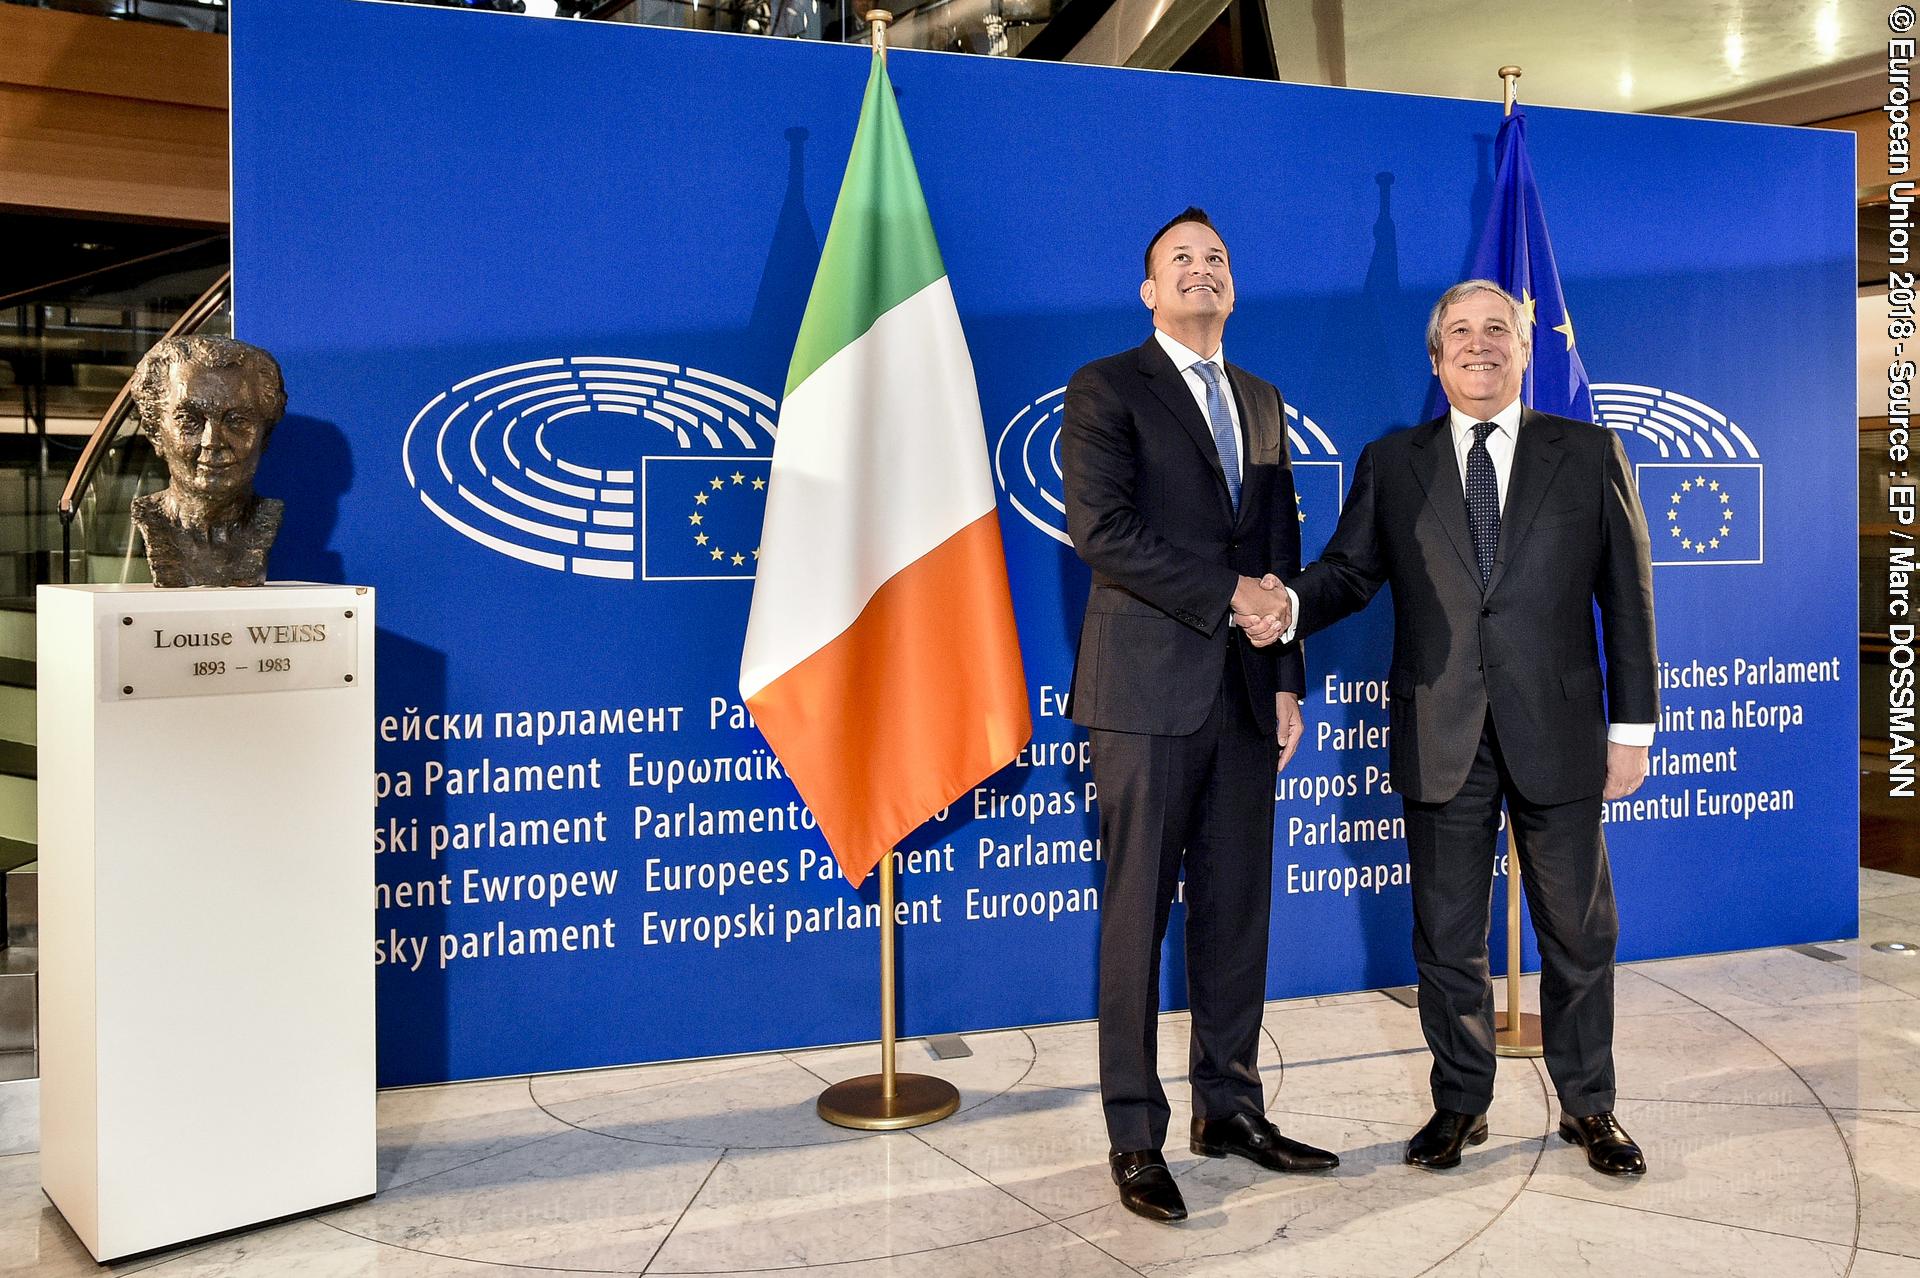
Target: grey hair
{"points": [[1466, 288], [151, 378]]}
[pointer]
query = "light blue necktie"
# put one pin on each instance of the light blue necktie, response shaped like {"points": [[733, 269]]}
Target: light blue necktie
{"points": [[1222, 422]]}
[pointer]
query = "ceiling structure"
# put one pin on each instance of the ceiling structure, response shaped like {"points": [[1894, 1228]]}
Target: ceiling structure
{"points": [[1779, 61], [1726, 58]]}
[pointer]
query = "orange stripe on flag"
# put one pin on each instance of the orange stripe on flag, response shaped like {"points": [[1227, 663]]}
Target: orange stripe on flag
{"points": [[916, 702]]}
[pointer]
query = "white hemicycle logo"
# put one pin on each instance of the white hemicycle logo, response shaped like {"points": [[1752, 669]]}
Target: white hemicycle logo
{"points": [[1319, 481], [1026, 464], [1705, 497], [537, 461]]}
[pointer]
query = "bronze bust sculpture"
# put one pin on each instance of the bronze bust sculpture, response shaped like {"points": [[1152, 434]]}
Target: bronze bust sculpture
{"points": [[208, 405]]}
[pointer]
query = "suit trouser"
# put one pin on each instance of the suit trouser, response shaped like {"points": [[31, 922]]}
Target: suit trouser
{"points": [[1569, 892], [1211, 794]]}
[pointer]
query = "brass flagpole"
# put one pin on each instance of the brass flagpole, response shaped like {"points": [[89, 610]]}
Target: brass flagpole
{"points": [[888, 1101], [1511, 75], [1515, 1033]]}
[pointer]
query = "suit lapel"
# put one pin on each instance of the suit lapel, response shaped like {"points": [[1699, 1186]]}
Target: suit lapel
{"points": [[1261, 431], [1536, 456], [1169, 386], [1435, 466], [1258, 436]]}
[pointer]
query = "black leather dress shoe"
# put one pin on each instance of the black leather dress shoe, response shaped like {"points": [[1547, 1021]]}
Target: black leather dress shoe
{"points": [[1146, 1186], [1609, 1148], [1437, 1146], [1258, 1141]]}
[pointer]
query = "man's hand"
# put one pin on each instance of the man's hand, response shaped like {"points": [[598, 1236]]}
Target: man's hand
{"points": [[1626, 769], [1262, 598], [1262, 609], [1286, 708]]}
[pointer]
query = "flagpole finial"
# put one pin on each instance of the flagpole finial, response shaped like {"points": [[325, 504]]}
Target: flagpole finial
{"points": [[877, 21], [1511, 74]]}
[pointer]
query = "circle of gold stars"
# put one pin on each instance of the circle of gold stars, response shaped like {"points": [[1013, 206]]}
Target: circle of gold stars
{"points": [[1702, 545], [700, 538]]}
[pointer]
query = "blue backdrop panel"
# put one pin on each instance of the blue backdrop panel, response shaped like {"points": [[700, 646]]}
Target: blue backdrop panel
{"points": [[535, 286]]}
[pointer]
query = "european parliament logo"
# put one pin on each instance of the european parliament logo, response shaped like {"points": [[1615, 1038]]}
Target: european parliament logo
{"points": [[553, 462], [703, 517], [1319, 482], [1706, 497], [1026, 466]]}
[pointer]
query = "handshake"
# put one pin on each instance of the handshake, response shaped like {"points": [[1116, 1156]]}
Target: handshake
{"points": [[1261, 608]]}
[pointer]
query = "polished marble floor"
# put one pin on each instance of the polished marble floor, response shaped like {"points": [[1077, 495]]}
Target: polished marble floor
{"points": [[1777, 1095]]}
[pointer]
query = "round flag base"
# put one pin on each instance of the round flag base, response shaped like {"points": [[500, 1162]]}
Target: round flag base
{"points": [[860, 1103], [1522, 1042]]}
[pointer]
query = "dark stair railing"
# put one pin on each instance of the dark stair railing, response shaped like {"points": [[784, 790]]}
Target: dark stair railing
{"points": [[121, 419], [115, 438]]}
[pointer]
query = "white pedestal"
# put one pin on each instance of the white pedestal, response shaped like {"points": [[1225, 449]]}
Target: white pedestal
{"points": [[207, 1023]]}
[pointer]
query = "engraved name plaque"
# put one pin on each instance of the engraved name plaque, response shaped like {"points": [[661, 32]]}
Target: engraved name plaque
{"points": [[207, 654]]}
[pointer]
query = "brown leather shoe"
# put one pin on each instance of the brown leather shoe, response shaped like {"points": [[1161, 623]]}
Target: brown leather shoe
{"points": [[1437, 1146], [1609, 1148], [1258, 1141], [1146, 1186]]}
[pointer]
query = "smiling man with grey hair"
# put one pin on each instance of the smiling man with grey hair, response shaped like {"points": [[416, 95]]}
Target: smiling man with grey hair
{"points": [[1517, 318], [1500, 529]]}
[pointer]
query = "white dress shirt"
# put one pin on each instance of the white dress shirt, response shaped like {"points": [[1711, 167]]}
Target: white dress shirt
{"points": [[1500, 446], [1184, 360]]}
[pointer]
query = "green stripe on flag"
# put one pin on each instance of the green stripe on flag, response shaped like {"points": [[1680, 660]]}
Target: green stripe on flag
{"points": [[880, 249]]}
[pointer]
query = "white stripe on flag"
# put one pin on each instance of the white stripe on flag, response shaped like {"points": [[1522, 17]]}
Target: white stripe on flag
{"points": [[881, 457]]}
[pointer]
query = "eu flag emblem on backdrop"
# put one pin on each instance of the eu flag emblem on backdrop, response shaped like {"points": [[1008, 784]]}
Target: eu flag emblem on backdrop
{"points": [[702, 517], [1516, 254], [1317, 486], [1703, 512]]}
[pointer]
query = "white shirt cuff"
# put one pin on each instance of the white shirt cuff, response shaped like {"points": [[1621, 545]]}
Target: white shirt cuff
{"points": [[1631, 734], [1293, 604]]}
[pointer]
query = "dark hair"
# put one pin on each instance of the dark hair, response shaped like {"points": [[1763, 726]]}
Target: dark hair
{"points": [[1192, 214]]}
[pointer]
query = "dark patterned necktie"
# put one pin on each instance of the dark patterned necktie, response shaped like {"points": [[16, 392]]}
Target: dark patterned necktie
{"points": [[1483, 499], [1221, 422]]}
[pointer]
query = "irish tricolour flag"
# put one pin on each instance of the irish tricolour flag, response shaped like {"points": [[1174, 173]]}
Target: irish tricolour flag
{"points": [[881, 659]]}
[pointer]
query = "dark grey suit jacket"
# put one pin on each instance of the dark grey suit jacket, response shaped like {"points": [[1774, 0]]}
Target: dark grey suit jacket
{"points": [[1572, 535], [1148, 509]]}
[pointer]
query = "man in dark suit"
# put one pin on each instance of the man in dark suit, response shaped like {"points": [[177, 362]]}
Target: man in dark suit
{"points": [[1500, 529], [1180, 498]]}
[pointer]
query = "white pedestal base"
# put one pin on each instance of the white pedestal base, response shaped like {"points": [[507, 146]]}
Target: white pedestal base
{"points": [[206, 902]]}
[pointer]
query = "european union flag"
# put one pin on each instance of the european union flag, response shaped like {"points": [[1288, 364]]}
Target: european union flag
{"points": [[1704, 512], [702, 517], [1516, 254], [1317, 484]]}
